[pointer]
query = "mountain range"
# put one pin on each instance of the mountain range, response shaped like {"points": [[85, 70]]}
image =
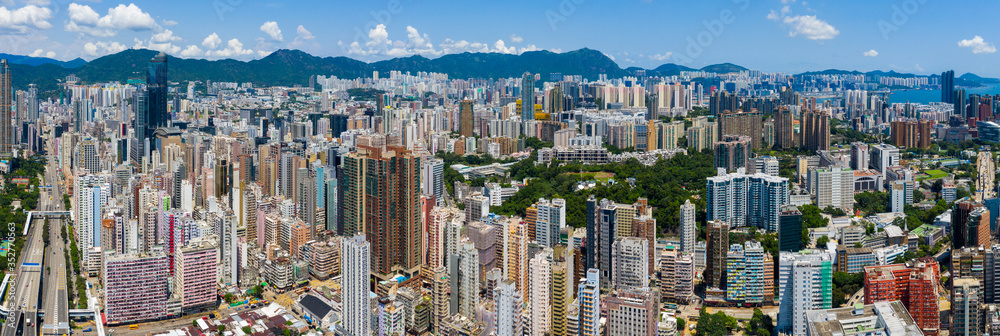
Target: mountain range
{"points": [[290, 67]]}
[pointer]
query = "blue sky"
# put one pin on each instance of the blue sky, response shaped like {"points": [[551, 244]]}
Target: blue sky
{"points": [[919, 36]]}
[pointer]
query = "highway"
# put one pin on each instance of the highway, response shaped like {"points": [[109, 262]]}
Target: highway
{"points": [[23, 319], [55, 302]]}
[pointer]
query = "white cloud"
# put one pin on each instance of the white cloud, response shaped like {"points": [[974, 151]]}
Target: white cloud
{"points": [[169, 23], [978, 45], [234, 48], [212, 41], [918, 67], [271, 29], [20, 20], [165, 36], [85, 20], [42, 53], [40, 3], [380, 44], [303, 33], [808, 26], [871, 53], [191, 51], [103, 48], [661, 57]]}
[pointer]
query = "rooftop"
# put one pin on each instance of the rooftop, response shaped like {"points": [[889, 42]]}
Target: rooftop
{"points": [[882, 318]]}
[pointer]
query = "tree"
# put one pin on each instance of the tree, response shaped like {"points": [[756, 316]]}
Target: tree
{"points": [[247, 330], [760, 324], [822, 241], [194, 322], [680, 323], [858, 245], [222, 328], [715, 324], [228, 297]]}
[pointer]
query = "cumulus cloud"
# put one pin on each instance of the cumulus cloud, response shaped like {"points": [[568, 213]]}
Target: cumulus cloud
{"points": [[169, 23], [165, 36], [380, 44], [103, 48], [22, 19], [212, 41], [234, 48], [661, 57], [871, 53], [42, 53], [303, 33], [810, 27], [807, 26], [978, 45], [84, 19], [191, 51], [271, 29]]}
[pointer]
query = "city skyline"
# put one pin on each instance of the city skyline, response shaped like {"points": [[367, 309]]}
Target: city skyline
{"points": [[787, 35]]}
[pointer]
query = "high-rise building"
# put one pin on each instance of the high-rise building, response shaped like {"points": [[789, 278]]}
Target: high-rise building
{"points": [[969, 223], [527, 97], [743, 123], [911, 133], [732, 152], [948, 87], [718, 247], [383, 185], [6, 111], [508, 307], [156, 86], [965, 307], [629, 265], [539, 305], [741, 200], [749, 274], [832, 186], [784, 133], [883, 156], [590, 304], [913, 283], [196, 275], [722, 101], [689, 230], [550, 217], [676, 275], [815, 130], [805, 282], [433, 179], [590, 247], [790, 229], [465, 116], [135, 287], [355, 285], [859, 156], [632, 312]]}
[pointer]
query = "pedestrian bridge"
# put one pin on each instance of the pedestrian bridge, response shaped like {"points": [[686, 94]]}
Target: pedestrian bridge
{"points": [[32, 214]]}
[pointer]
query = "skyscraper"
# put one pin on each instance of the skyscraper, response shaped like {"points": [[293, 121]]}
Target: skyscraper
{"points": [[732, 152], [789, 229], [355, 283], [749, 124], [688, 228], [465, 117], [629, 264], [6, 110], [964, 225], [805, 282], [527, 96], [590, 304], [717, 248], [156, 85], [948, 87], [381, 187], [742, 200], [965, 301], [539, 295], [815, 130]]}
